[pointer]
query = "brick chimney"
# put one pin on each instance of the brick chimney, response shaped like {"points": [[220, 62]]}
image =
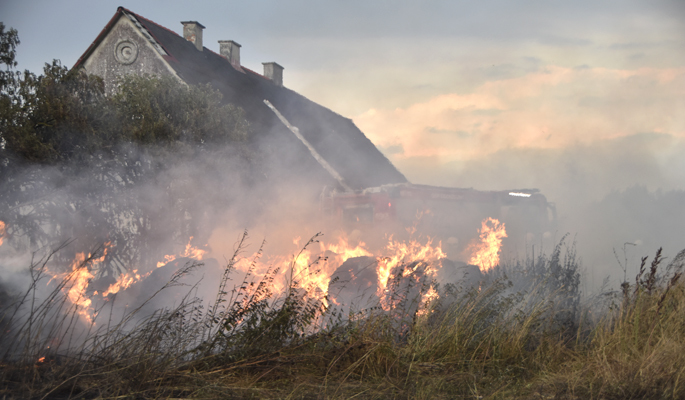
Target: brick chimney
{"points": [[192, 32], [230, 50], [274, 72]]}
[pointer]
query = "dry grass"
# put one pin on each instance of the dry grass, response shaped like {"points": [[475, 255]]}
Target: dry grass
{"points": [[637, 351], [523, 335]]}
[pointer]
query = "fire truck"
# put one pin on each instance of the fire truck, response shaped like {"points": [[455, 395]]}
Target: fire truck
{"points": [[452, 215]]}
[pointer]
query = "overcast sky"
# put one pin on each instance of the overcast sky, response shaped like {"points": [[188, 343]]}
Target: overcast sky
{"points": [[448, 88]]}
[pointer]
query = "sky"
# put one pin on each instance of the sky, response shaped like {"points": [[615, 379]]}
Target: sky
{"points": [[577, 98]]}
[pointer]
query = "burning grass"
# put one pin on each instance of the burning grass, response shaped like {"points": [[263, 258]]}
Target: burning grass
{"points": [[521, 332]]}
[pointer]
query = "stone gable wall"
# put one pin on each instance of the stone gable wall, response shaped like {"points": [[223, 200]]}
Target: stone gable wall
{"points": [[125, 51]]}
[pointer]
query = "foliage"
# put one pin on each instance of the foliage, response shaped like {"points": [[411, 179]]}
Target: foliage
{"points": [[55, 117], [109, 168], [8, 46], [160, 110], [64, 116], [553, 277], [638, 349]]}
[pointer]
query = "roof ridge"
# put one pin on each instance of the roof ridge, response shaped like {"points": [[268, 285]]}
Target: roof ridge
{"points": [[152, 35], [171, 31], [149, 21], [121, 11]]}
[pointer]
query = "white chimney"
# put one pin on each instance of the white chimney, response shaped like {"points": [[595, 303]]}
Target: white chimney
{"points": [[230, 50], [192, 32], [274, 72]]}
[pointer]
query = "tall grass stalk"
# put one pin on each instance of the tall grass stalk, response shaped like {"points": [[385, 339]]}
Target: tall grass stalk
{"points": [[637, 351], [522, 333]]}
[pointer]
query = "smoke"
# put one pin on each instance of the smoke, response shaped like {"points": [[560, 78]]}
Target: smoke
{"points": [[606, 195], [589, 138], [613, 191], [148, 202], [145, 202]]}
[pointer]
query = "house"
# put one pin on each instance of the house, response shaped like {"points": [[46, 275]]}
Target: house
{"points": [[131, 44], [369, 189]]}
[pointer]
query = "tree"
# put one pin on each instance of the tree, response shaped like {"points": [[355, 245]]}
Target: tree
{"points": [[77, 164], [63, 114], [8, 45], [162, 111]]}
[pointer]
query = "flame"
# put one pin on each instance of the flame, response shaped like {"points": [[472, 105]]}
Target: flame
{"points": [[427, 300], [2, 232], [190, 252], [123, 282], [312, 274], [76, 294], [400, 253], [316, 280], [80, 276], [485, 253], [344, 251], [310, 269], [40, 360], [81, 272]]}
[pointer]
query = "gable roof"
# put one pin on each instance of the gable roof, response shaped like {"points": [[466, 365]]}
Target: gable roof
{"points": [[336, 138]]}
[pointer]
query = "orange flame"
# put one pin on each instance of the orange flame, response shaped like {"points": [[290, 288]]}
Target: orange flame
{"points": [[426, 300], [404, 253], [81, 275], [123, 282], [344, 251], [2, 232], [190, 252], [309, 270], [485, 253], [76, 294], [314, 273]]}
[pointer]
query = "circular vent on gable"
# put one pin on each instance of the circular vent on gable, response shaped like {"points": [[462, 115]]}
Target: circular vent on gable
{"points": [[126, 51]]}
